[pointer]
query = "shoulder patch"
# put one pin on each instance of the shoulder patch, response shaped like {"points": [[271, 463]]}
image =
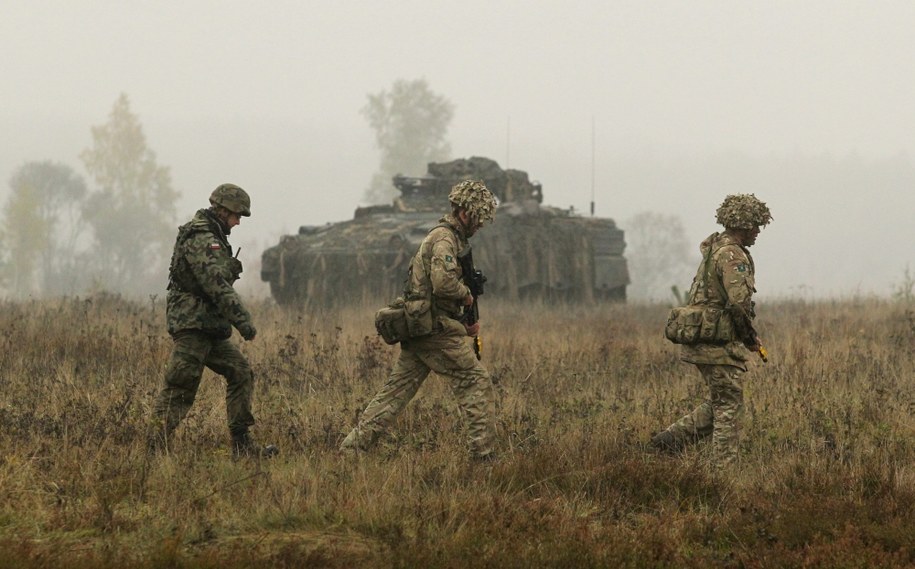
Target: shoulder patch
{"points": [[215, 246]]}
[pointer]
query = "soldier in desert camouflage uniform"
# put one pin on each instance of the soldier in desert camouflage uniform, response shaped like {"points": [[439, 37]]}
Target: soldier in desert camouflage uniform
{"points": [[724, 281], [435, 273], [202, 308]]}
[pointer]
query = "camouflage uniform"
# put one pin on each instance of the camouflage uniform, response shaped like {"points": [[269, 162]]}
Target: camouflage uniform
{"points": [[435, 272], [724, 280], [202, 308]]}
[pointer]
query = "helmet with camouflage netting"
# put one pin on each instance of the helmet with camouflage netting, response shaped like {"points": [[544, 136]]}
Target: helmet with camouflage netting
{"points": [[743, 211], [233, 198], [475, 198]]}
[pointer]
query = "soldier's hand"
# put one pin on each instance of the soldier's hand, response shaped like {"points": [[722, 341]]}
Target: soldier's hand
{"points": [[468, 300], [473, 330], [754, 345], [247, 331]]}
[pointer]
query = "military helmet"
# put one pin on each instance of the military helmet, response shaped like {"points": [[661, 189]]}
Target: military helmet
{"points": [[743, 211], [475, 198], [233, 198]]}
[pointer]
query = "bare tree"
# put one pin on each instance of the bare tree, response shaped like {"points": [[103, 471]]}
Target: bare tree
{"points": [[41, 226], [410, 123], [132, 213], [657, 251]]}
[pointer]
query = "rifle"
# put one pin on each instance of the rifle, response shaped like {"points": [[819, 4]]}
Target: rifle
{"points": [[750, 339], [474, 279]]}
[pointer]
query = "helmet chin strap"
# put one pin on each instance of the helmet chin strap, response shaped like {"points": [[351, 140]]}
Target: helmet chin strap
{"points": [[468, 225], [222, 214]]}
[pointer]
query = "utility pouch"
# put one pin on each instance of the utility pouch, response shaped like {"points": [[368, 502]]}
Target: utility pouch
{"points": [[699, 325], [391, 322], [235, 267], [708, 331], [418, 315], [717, 326], [684, 324]]}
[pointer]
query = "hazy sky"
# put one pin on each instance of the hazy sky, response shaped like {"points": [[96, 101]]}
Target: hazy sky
{"points": [[689, 100]]}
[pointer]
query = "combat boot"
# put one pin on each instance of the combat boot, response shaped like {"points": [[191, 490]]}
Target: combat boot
{"points": [[243, 446], [158, 440], [487, 458], [666, 443]]}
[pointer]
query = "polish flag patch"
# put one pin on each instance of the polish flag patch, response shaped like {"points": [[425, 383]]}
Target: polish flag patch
{"points": [[215, 246]]}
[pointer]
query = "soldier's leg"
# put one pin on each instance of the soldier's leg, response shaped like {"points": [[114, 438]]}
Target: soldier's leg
{"points": [[226, 360], [472, 387], [404, 381], [727, 405], [695, 425], [182, 378]]}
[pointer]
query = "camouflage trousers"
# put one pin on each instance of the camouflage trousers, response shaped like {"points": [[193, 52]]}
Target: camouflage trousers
{"points": [[192, 351], [718, 416], [449, 355]]}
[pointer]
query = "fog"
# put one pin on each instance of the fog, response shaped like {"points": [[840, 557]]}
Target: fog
{"points": [[807, 104]]}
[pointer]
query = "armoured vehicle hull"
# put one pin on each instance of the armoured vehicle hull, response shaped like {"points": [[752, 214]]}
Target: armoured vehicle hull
{"points": [[530, 251]]}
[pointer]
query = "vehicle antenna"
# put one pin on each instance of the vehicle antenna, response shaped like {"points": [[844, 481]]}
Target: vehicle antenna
{"points": [[592, 165], [508, 140]]}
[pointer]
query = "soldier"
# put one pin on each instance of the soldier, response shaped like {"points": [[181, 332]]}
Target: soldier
{"points": [[724, 282], [201, 309], [435, 274]]}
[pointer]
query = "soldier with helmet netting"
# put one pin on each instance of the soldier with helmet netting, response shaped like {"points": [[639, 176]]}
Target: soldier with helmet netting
{"points": [[435, 295], [475, 198], [721, 297], [202, 308]]}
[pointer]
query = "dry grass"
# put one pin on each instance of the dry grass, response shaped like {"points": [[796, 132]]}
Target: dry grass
{"points": [[827, 479]]}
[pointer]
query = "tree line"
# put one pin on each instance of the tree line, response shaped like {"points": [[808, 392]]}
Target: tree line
{"points": [[62, 235]]}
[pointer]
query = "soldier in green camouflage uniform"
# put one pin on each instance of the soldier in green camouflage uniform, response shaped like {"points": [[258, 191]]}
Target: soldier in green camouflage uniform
{"points": [[435, 273], [725, 280], [202, 308]]}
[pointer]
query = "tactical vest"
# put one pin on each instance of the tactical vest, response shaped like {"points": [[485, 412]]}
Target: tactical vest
{"points": [[705, 319], [415, 314], [180, 276]]}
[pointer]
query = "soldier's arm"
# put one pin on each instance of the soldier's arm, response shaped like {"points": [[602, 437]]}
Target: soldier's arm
{"points": [[736, 273], [445, 269], [211, 265]]}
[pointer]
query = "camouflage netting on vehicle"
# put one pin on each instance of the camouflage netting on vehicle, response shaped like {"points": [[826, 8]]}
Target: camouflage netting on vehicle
{"points": [[507, 185], [552, 255]]}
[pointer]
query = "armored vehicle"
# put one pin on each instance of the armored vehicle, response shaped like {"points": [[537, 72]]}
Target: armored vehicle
{"points": [[530, 251]]}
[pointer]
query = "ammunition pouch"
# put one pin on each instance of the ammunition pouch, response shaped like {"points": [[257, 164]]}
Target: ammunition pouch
{"points": [[402, 320], [699, 324], [418, 314], [391, 322]]}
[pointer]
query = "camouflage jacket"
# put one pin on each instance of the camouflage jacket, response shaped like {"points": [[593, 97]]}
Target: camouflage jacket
{"points": [[201, 274], [729, 270], [436, 271]]}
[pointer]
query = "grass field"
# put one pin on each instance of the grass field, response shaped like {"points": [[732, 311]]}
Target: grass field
{"points": [[826, 479]]}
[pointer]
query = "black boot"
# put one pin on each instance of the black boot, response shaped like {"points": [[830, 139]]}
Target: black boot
{"points": [[243, 446], [158, 439], [665, 442]]}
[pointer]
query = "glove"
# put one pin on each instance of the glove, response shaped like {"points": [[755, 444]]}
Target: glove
{"points": [[235, 267], [247, 331]]}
